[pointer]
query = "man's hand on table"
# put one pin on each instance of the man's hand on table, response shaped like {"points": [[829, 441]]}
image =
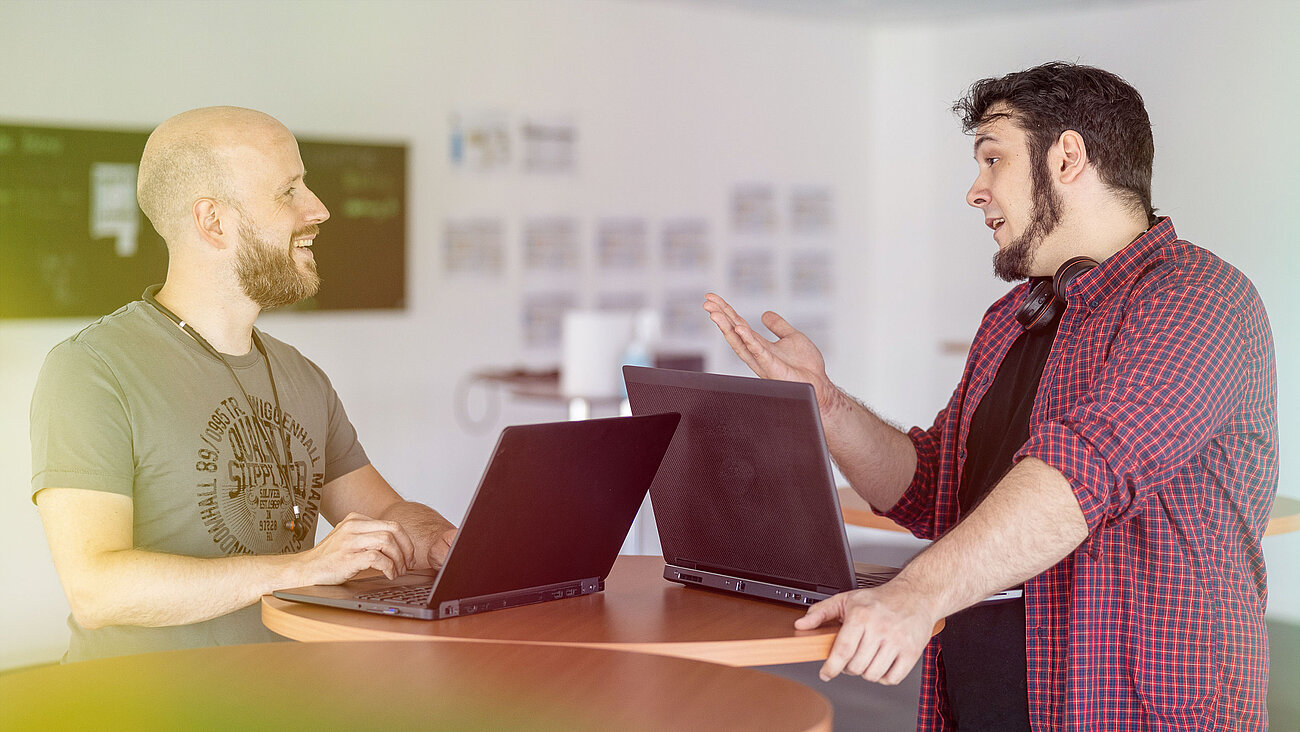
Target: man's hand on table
{"points": [[884, 631]]}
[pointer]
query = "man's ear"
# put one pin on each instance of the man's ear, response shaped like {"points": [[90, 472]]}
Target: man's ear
{"points": [[207, 220], [1071, 156]]}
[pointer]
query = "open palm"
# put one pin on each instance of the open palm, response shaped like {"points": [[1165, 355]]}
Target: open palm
{"points": [[792, 357]]}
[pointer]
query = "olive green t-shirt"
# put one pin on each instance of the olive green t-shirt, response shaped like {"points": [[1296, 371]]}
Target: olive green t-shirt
{"points": [[133, 405]]}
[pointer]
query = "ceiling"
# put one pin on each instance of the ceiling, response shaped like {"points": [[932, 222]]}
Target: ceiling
{"points": [[905, 10]]}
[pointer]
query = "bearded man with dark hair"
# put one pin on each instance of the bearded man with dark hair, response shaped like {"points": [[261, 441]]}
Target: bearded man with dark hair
{"points": [[1111, 448]]}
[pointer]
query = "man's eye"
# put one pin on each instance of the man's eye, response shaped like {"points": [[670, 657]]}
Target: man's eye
{"points": [[290, 191], [990, 161]]}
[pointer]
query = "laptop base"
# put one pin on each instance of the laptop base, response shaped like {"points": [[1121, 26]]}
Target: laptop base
{"points": [[502, 600], [873, 575]]}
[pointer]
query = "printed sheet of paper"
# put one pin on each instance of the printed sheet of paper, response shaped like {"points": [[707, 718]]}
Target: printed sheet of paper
{"points": [[542, 318], [753, 209], [113, 210], [752, 272], [621, 245], [551, 245], [550, 145], [810, 273], [479, 141], [474, 246], [684, 245]]}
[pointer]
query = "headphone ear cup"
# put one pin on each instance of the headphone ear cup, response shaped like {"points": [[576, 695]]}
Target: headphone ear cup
{"points": [[1068, 271], [1040, 307]]}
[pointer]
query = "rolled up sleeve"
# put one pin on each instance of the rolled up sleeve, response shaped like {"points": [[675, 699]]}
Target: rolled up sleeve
{"points": [[1171, 380]]}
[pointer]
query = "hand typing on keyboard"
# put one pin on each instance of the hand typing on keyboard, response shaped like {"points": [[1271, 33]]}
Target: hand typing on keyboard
{"points": [[359, 542]]}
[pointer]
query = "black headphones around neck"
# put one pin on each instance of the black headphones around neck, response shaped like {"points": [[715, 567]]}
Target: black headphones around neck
{"points": [[1046, 299]]}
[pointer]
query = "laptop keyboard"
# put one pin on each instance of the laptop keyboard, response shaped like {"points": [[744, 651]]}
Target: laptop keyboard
{"points": [[406, 595], [874, 579]]}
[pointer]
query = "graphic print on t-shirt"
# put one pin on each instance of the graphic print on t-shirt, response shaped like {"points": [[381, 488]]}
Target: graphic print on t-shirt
{"points": [[246, 465]]}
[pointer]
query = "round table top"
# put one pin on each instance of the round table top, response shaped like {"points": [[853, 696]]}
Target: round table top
{"points": [[376, 685], [638, 611], [1285, 516], [857, 512]]}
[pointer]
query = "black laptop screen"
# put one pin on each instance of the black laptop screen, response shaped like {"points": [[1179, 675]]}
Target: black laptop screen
{"points": [[555, 504], [746, 484]]}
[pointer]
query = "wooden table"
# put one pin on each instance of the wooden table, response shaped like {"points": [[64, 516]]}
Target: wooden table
{"points": [[857, 512], [638, 611], [387, 686], [1284, 518]]}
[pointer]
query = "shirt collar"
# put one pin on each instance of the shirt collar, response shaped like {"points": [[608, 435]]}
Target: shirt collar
{"points": [[1095, 285]]}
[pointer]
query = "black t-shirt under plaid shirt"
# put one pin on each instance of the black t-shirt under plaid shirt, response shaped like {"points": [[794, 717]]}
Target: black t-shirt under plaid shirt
{"points": [[983, 647]]}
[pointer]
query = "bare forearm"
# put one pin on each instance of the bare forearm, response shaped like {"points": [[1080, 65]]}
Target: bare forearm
{"points": [[426, 527], [1030, 521], [877, 458], [136, 587]]}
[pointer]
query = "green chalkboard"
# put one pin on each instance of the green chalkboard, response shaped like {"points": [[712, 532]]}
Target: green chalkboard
{"points": [[73, 243]]}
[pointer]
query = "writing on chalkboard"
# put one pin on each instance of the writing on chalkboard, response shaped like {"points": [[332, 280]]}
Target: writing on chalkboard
{"points": [[73, 241]]}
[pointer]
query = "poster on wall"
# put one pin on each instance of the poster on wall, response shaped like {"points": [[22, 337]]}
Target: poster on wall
{"points": [[479, 141], [73, 242], [753, 209], [810, 273], [752, 272], [684, 245], [550, 145], [621, 245], [551, 245], [474, 246], [542, 318]]}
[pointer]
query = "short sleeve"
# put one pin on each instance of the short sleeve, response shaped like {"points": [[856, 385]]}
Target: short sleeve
{"points": [[343, 450], [80, 430]]}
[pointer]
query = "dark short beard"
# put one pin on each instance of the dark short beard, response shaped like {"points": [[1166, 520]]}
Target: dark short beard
{"points": [[1012, 263], [268, 274]]}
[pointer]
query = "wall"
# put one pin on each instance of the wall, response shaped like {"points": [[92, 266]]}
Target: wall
{"points": [[675, 103]]}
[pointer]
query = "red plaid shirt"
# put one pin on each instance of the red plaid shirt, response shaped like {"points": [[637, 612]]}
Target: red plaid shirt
{"points": [[1159, 404]]}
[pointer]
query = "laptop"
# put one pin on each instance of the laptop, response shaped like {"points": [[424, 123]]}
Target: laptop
{"points": [[745, 500], [546, 523]]}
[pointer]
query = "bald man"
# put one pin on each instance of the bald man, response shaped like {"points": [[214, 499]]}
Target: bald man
{"points": [[180, 456]]}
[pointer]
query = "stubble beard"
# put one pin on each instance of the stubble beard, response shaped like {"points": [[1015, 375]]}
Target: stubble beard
{"points": [[1013, 263], [268, 274]]}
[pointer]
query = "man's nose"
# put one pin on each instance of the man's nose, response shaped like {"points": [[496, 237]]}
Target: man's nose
{"points": [[316, 211]]}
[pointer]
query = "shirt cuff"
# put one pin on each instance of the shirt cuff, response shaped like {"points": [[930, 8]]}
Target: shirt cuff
{"points": [[915, 508], [122, 485], [1075, 458]]}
